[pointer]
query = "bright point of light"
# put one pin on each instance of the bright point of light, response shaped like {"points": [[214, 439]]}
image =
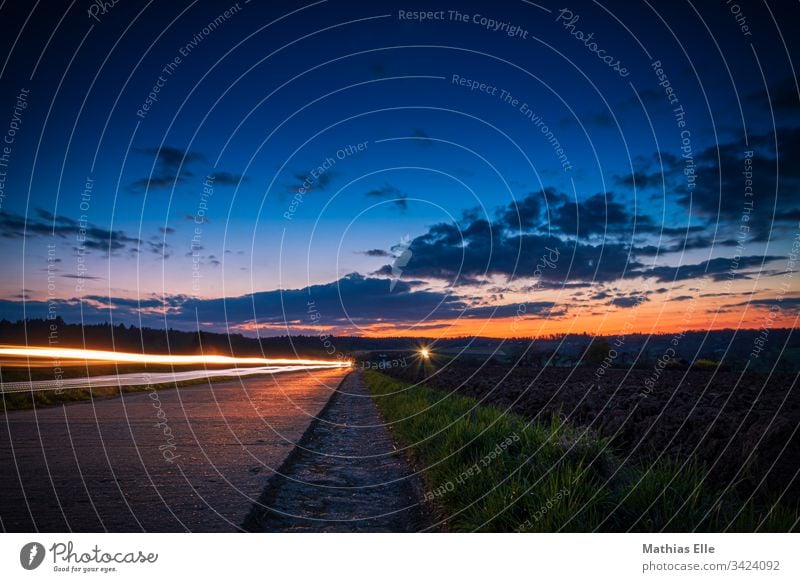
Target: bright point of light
{"points": [[425, 353], [107, 356]]}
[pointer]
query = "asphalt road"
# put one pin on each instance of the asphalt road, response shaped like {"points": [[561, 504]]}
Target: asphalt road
{"points": [[345, 476], [193, 459]]}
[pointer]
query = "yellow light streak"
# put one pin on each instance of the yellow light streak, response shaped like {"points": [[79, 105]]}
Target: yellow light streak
{"points": [[108, 356]]}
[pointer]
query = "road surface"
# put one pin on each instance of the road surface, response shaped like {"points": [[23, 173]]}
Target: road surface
{"points": [[346, 476], [192, 459]]}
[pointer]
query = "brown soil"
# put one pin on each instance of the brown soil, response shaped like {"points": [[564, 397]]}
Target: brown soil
{"points": [[742, 426]]}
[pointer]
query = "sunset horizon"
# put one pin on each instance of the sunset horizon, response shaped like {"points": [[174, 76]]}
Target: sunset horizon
{"points": [[284, 267]]}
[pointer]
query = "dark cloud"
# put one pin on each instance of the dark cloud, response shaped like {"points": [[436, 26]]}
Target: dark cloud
{"points": [[96, 238], [783, 98], [558, 285], [306, 183], [119, 302], [593, 118], [718, 269], [401, 202], [464, 254], [227, 179], [661, 170], [530, 310], [90, 310], [55, 220], [701, 242], [196, 220], [640, 179], [385, 191], [718, 197], [792, 303], [172, 167], [467, 252], [681, 245], [596, 215], [529, 212], [377, 253], [391, 193], [603, 214], [627, 302], [352, 300], [158, 244], [160, 248], [149, 309], [69, 309], [16, 226], [421, 137], [81, 277]]}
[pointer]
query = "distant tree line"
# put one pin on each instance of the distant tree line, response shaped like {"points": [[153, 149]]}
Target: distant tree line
{"points": [[39, 332], [731, 348]]}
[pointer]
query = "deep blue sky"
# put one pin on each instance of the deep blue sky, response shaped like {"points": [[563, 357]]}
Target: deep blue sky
{"points": [[461, 179]]}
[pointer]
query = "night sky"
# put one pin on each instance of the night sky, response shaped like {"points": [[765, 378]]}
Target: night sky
{"points": [[488, 168]]}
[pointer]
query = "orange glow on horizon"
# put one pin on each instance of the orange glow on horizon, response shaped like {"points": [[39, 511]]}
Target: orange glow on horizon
{"points": [[650, 319], [127, 357]]}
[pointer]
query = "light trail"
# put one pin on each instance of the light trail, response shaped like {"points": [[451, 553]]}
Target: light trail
{"points": [[146, 378], [127, 357]]}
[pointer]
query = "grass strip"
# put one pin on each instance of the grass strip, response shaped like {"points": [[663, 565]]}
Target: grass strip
{"points": [[486, 469]]}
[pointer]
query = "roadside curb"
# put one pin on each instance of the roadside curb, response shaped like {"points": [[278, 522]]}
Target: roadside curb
{"points": [[262, 506]]}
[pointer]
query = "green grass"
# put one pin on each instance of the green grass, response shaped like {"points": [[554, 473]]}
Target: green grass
{"points": [[489, 470]]}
